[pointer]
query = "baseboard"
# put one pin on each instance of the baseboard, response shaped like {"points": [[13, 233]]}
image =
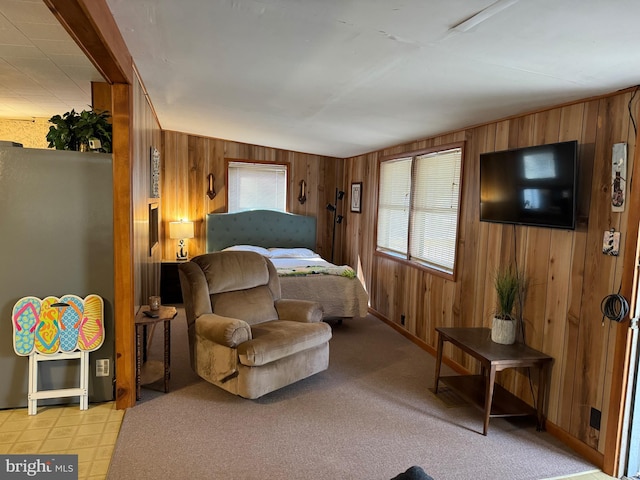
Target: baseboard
{"points": [[456, 367], [585, 451]]}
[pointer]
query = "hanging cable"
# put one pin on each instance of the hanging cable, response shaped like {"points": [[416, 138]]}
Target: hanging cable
{"points": [[633, 121], [614, 307], [521, 314], [520, 292]]}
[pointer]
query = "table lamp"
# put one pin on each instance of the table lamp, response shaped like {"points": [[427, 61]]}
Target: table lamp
{"points": [[180, 231]]}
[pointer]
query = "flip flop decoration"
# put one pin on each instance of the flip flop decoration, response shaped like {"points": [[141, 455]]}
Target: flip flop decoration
{"points": [[92, 325], [55, 325], [71, 313], [47, 332], [25, 316]]}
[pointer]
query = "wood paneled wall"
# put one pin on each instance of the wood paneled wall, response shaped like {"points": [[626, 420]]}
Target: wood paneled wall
{"points": [[187, 160], [568, 272], [146, 134]]}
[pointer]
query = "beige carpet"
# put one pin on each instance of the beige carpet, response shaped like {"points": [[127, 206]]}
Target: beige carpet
{"points": [[370, 416]]}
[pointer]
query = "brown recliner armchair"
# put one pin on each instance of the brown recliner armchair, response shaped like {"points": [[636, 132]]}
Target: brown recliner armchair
{"points": [[243, 337]]}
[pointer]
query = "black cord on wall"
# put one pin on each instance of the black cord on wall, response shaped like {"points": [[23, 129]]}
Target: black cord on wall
{"points": [[520, 313], [633, 120], [615, 307]]}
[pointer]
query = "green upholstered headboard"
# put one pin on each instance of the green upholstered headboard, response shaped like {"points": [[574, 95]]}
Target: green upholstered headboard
{"points": [[263, 228]]}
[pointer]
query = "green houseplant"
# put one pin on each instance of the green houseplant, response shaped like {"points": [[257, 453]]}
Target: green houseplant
{"points": [[74, 131], [510, 285]]}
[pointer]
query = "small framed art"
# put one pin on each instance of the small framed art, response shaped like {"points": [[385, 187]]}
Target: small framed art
{"points": [[356, 197]]}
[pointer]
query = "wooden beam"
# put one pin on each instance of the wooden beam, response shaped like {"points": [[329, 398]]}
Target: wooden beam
{"points": [[123, 245], [92, 26], [101, 97], [613, 434]]}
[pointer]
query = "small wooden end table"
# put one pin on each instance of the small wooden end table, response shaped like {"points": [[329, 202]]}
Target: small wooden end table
{"points": [[165, 315], [481, 390]]}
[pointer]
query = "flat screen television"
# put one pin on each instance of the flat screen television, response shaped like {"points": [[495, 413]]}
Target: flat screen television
{"points": [[533, 186]]}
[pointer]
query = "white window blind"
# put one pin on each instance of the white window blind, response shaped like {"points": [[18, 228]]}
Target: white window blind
{"points": [[393, 205], [418, 208], [257, 186], [434, 221]]}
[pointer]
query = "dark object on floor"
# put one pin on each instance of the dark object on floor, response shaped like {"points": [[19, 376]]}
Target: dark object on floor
{"points": [[413, 473]]}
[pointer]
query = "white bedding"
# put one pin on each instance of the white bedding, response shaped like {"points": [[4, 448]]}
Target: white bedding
{"points": [[290, 263]]}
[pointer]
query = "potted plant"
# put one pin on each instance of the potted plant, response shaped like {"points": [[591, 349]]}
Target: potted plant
{"points": [[89, 129], [510, 286]]}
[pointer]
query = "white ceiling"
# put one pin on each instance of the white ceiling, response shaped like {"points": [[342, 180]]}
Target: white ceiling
{"points": [[42, 71], [334, 77]]}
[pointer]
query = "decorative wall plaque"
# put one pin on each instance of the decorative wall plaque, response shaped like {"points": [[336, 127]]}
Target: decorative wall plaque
{"points": [[155, 173]]}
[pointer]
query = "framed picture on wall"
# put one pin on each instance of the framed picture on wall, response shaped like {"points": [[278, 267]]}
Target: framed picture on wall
{"points": [[155, 172], [356, 197], [154, 236]]}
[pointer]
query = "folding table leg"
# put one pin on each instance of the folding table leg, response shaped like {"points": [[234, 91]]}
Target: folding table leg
{"points": [[84, 380], [32, 402]]}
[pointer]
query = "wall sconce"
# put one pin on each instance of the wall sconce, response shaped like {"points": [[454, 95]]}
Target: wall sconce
{"points": [[333, 207], [303, 187], [211, 192], [179, 231]]}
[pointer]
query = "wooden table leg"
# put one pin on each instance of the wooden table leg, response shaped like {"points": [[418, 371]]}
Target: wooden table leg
{"points": [[438, 361], [488, 398], [167, 353], [542, 379], [138, 360]]}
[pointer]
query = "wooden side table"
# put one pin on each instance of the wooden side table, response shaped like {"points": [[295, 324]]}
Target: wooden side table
{"points": [[165, 315], [481, 390]]}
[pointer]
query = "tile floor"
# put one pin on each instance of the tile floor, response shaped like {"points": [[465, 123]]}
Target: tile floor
{"points": [[595, 475], [91, 434]]}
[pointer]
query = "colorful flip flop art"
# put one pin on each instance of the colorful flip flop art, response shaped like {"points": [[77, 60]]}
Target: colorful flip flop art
{"points": [[55, 325]]}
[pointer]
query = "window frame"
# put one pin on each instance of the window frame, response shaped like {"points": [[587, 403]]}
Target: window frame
{"points": [[286, 165], [406, 259]]}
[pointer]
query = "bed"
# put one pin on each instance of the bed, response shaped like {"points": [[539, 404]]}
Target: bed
{"points": [[289, 241]]}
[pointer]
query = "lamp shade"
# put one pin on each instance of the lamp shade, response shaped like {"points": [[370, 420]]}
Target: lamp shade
{"points": [[180, 230]]}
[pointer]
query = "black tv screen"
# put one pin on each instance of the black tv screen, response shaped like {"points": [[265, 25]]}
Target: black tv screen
{"points": [[533, 186]]}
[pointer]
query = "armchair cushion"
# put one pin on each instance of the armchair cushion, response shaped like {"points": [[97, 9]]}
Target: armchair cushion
{"points": [[233, 271], [254, 305], [281, 338], [226, 331], [299, 310]]}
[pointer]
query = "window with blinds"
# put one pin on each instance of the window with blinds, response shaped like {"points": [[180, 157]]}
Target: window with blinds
{"points": [[254, 186], [418, 206]]}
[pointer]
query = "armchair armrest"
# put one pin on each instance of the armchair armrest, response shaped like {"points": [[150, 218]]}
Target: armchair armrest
{"points": [[226, 331], [299, 310]]}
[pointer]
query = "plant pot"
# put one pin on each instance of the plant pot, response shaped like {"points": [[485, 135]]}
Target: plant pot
{"points": [[504, 331]]}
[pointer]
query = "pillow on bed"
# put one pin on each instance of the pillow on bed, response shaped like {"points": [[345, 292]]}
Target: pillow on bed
{"points": [[292, 253], [249, 248]]}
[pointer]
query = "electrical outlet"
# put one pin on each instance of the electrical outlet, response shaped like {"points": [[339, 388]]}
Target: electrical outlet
{"points": [[594, 420], [402, 319], [102, 367]]}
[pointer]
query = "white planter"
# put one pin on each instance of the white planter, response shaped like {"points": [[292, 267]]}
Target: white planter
{"points": [[504, 331]]}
